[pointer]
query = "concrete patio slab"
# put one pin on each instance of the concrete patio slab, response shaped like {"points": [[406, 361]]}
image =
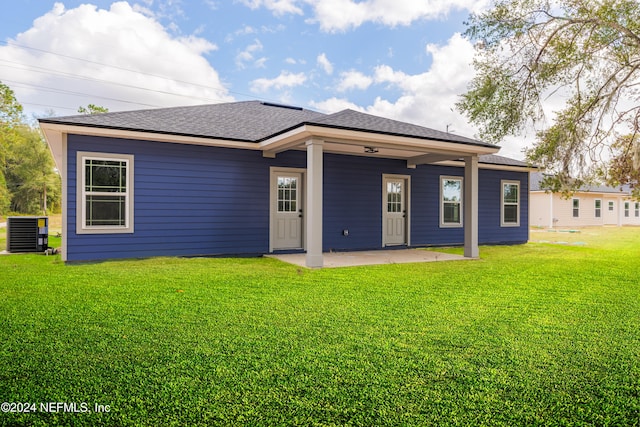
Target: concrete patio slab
{"points": [[351, 259]]}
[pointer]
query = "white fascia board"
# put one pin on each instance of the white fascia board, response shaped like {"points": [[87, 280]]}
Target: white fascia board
{"points": [[55, 140], [286, 141], [145, 136], [492, 166], [296, 137], [394, 141]]}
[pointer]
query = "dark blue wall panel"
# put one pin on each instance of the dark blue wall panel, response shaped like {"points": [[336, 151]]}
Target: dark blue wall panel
{"points": [[194, 200], [189, 200]]}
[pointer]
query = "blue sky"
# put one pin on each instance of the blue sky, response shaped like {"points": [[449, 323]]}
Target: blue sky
{"points": [[402, 59]]}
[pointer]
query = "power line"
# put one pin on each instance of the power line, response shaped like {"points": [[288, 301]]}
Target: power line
{"points": [[42, 70], [128, 69], [108, 65], [68, 92], [49, 106]]}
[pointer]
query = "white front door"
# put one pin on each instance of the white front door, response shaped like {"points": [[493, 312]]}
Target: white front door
{"points": [[287, 220], [395, 211]]}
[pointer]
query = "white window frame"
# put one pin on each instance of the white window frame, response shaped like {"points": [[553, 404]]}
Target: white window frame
{"points": [[611, 206], [597, 210], [627, 208], [81, 194], [573, 208], [637, 209], [461, 203], [502, 204]]}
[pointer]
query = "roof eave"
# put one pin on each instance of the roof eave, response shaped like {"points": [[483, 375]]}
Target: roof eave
{"points": [[296, 136], [293, 137], [493, 166], [54, 134]]}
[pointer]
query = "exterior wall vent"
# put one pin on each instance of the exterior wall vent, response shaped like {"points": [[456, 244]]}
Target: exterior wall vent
{"points": [[27, 233]]}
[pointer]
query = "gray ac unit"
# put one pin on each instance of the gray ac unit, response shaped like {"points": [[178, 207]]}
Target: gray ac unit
{"points": [[27, 233]]}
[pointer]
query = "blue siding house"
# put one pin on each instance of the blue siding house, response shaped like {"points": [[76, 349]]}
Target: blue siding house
{"points": [[249, 178]]}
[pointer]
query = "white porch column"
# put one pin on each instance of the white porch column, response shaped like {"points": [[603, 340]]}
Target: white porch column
{"points": [[313, 214], [471, 207]]}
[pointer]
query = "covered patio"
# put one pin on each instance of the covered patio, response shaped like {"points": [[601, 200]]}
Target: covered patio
{"points": [[353, 133], [377, 257]]}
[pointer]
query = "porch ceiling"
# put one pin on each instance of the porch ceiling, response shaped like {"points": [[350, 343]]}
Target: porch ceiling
{"points": [[350, 142]]}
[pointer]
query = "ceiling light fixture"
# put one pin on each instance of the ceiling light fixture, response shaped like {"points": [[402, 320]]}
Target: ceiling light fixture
{"points": [[370, 150]]}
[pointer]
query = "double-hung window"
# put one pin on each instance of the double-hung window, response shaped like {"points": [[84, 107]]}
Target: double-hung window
{"points": [[637, 209], [510, 209], [105, 193], [576, 208], [450, 201], [598, 207], [626, 209]]}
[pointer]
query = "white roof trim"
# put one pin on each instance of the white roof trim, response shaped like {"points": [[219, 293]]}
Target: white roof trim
{"points": [[492, 166], [298, 136], [53, 134], [289, 140]]}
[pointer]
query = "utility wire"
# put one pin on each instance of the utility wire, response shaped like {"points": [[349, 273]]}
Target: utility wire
{"points": [[68, 92], [128, 69], [42, 70]]}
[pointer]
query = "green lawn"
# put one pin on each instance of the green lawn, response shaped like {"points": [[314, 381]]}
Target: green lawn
{"points": [[538, 334]]}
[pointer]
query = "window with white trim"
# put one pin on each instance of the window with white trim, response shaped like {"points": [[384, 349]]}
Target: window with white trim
{"points": [[510, 207], [450, 201], [611, 206], [576, 208], [105, 191], [626, 209], [637, 209], [598, 208]]}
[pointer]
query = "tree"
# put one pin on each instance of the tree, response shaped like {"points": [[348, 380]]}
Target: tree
{"points": [[623, 167], [30, 173], [92, 109], [585, 53], [10, 117], [28, 181]]}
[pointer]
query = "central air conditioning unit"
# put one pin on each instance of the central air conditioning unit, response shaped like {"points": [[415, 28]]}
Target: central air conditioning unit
{"points": [[27, 233]]}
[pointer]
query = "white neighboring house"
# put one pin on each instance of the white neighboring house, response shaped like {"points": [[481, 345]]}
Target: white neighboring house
{"points": [[586, 207]]}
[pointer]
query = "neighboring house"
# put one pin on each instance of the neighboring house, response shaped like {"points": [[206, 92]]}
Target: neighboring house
{"points": [[594, 205], [254, 178]]}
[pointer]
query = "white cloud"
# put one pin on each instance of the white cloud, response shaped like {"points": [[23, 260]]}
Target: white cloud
{"points": [[342, 15], [248, 55], [213, 5], [333, 105], [136, 48], [353, 80], [427, 99], [284, 80], [278, 7], [246, 30], [325, 63]]}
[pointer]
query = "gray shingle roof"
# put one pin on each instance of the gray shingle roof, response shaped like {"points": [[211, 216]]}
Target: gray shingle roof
{"points": [[349, 119], [250, 121], [493, 159], [535, 184]]}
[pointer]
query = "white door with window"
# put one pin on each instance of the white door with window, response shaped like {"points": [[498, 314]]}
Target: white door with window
{"points": [[395, 211], [287, 214]]}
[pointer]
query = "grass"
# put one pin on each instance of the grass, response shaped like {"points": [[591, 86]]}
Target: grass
{"points": [[538, 334]]}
